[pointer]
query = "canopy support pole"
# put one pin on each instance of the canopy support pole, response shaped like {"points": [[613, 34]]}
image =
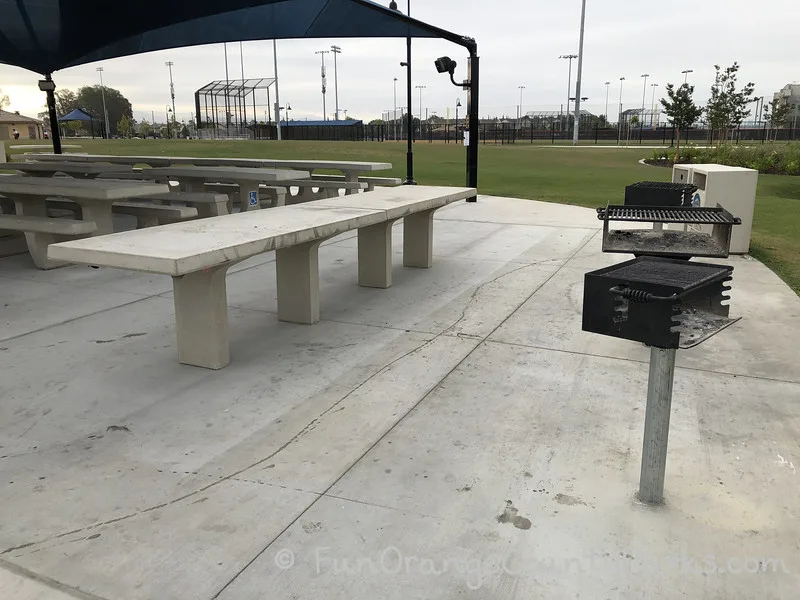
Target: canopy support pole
{"points": [[474, 124], [49, 88], [409, 119]]}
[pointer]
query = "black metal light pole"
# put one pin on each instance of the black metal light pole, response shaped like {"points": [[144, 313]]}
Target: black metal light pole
{"points": [[410, 119]]}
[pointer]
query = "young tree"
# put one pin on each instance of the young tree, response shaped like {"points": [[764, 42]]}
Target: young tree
{"points": [[66, 102], [776, 114], [4, 101], [728, 107], [681, 109], [124, 126], [144, 128]]}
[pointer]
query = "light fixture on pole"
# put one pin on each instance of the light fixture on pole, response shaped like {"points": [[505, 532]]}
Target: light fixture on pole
{"points": [[653, 108], [420, 88], [576, 129], [519, 108], [394, 120], [322, 54], [169, 64], [608, 83], [619, 115], [103, 95], [686, 75], [569, 78], [336, 50]]}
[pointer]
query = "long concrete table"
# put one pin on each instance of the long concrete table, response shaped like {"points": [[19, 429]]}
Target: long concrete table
{"points": [[248, 179], [95, 197], [197, 254], [78, 170], [351, 170]]}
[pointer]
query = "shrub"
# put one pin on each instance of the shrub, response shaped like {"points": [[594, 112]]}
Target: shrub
{"points": [[779, 160]]}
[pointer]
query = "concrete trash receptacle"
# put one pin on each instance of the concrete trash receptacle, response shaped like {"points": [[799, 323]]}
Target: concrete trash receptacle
{"points": [[733, 188]]}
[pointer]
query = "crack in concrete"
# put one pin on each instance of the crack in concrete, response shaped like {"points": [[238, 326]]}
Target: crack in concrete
{"points": [[53, 584]]}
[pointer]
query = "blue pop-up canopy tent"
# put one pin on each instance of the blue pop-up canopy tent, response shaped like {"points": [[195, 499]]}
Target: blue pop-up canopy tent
{"points": [[47, 35], [78, 115]]}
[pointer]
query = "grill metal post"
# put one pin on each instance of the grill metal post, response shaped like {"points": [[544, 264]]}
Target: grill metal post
{"points": [[656, 424]]}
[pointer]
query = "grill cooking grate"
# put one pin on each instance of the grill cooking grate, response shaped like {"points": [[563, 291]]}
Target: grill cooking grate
{"points": [[700, 216]]}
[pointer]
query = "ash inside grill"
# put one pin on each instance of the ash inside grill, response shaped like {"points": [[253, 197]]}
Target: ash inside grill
{"points": [[669, 243]]}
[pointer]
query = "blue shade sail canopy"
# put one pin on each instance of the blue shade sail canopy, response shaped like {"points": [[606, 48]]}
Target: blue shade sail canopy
{"points": [[76, 115], [47, 35]]}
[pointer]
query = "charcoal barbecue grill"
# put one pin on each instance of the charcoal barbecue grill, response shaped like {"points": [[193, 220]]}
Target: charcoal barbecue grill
{"points": [[659, 193], [667, 304], [673, 243]]}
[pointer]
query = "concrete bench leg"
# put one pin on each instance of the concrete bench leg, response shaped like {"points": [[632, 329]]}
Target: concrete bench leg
{"points": [[201, 317], [418, 239], [297, 270], [276, 197], [38, 242], [210, 209], [375, 255], [149, 221]]}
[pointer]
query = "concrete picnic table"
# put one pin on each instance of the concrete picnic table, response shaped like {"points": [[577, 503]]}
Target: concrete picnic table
{"points": [[78, 170], [351, 170], [95, 197], [248, 179]]}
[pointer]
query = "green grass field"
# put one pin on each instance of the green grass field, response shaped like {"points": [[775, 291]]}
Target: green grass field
{"points": [[587, 176]]}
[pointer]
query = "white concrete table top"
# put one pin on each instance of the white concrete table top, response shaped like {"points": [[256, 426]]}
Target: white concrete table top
{"points": [[348, 167], [182, 248], [400, 201], [86, 170], [94, 196], [223, 174]]}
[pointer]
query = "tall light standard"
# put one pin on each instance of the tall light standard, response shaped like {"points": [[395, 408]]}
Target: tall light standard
{"points": [[227, 89], [686, 74], [608, 83], [619, 118], [458, 105], [644, 94], [169, 64], [519, 110], [569, 79], [576, 129], [407, 64], [395, 109], [420, 88], [336, 50], [166, 112], [103, 95], [322, 53], [653, 108], [277, 97]]}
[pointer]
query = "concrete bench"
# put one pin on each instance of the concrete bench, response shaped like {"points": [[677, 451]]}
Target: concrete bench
{"points": [[40, 232], [371, 182], [275, 194], [151, 215], [197, 255], [206, 204], [326, 189]]}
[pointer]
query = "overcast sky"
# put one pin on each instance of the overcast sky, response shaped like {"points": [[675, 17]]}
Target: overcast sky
{"points": [[519, 43]]}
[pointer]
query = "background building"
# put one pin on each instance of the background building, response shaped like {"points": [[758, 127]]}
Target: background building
{"points": [[28, 128]]}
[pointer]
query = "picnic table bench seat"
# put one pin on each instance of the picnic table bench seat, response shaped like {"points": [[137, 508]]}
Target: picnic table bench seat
{"points": [[46, 230], [197, 255], [372, 182]]}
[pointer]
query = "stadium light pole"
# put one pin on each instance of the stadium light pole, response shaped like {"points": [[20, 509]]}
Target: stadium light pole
{"points": [[576, 127], [569, 80], [394, 119], [686, 75], [336, 50], [227, 89], [619, 115], [519, 116], [653, 108], [420, 88], [277, 96], [169, 64], [322, 54], [103, 95], [608, 83]]}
